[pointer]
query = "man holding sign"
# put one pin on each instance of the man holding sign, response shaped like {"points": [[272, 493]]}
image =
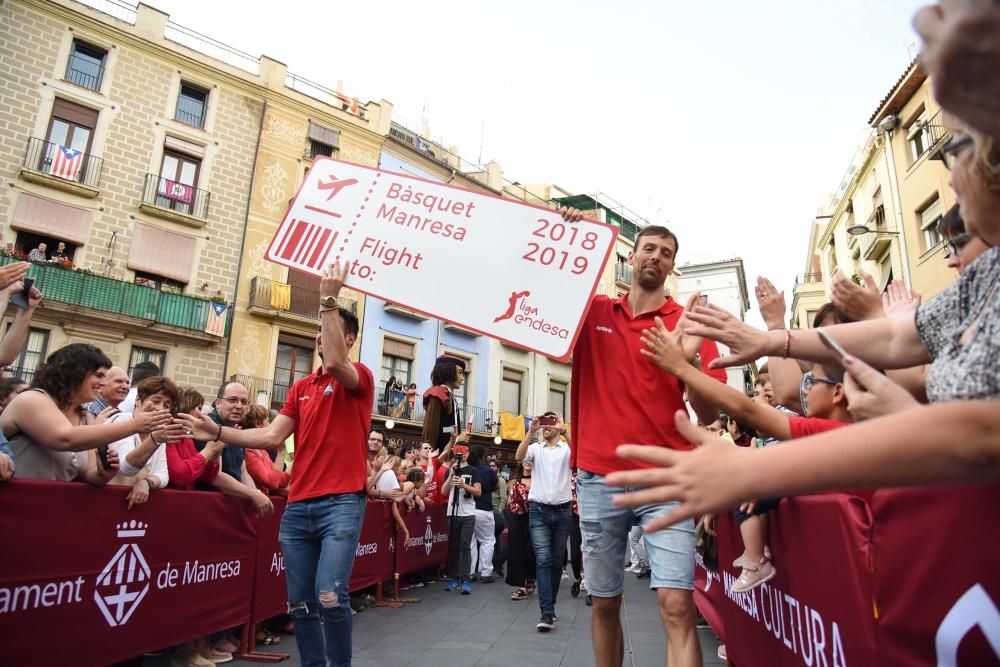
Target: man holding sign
{"points": [[618, 396], [329, 412]]}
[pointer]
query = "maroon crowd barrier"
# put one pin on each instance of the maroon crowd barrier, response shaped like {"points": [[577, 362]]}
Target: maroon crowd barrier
{"points": [[86, 581], [427, 546], [937, 580], [907, 578]]}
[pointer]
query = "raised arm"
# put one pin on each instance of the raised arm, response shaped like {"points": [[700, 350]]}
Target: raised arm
{"points": [[336, 361], [36, 415], [529, 437], [272, 436], [945, 443], [664, 349], [17, 334], [883, 343]]}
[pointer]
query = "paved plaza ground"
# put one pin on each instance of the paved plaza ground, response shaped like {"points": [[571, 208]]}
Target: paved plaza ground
{"points": [[487, 628]]}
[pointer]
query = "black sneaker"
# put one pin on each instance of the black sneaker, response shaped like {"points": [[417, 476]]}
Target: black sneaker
{"points": [[589, 601], [545, 624], [486, 580], [575, 589], [642, 574]]}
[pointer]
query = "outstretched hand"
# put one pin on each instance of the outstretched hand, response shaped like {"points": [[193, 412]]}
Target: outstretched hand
{"points": [[771, 303], [201, 426], [664, 348], [871, 394], [710, 479], [898, 301], [858, 302], [745, 343], [333, 279]]}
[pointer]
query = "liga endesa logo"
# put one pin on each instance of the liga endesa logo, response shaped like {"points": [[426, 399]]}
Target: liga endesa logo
{"points": [[520, 310]]}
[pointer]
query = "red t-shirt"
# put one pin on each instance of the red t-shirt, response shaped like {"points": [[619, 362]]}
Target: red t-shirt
{"points": [[805, 426], [185, 466], [619, 396], [435, 495], [331, 432]]}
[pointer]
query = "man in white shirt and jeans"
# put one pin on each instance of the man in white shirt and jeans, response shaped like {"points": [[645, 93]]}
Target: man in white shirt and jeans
{"points": [[550, 506]]}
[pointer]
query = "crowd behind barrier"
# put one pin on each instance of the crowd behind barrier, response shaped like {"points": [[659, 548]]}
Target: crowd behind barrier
{"points": [[85, 581], [865, 582]]}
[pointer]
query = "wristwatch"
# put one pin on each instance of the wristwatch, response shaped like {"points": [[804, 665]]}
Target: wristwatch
{"points": [[328, 302]]}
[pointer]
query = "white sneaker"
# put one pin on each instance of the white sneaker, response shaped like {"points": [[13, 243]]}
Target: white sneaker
{"points": [[722, 652]]}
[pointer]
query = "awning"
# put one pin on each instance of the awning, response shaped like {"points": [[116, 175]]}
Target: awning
{"points": [[324, 135], [49, 218], [162, 253]]}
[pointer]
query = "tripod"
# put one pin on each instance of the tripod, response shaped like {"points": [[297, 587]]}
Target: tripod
{"points": [[454, 529]]}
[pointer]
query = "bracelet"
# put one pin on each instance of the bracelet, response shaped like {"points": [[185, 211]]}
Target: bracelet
{"points": [[219, 437], [788, 344], [153, 438]]}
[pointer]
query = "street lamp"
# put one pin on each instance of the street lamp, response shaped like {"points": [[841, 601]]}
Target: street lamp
{"points": [[861, 230]]}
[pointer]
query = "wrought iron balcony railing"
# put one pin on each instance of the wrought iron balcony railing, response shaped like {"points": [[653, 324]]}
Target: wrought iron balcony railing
{"points": [[180, 197], [272, 295], [50, 158]]}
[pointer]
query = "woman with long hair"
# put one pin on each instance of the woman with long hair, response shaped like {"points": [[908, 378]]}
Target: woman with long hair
{"points": [[521, 555], [53, 437]]}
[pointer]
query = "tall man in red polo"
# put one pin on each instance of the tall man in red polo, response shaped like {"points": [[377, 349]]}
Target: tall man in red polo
{"points": [[329, 412], [619, 396]]}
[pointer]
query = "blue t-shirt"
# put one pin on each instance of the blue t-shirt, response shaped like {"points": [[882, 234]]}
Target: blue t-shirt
{"points": [[488, 480]]}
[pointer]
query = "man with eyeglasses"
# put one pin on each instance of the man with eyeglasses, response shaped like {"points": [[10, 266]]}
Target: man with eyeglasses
{"points": [[228, 409], [330, 413]]}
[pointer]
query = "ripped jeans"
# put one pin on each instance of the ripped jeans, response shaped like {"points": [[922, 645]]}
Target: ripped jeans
{"points": [[319, 539]]}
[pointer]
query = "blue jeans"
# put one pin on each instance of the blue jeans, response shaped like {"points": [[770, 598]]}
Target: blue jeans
{"points": [[549, 527], [605, 529], [319, 539]]}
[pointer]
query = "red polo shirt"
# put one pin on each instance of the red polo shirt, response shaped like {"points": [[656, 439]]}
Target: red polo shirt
{"points": [[331, 431], [618, 396]]}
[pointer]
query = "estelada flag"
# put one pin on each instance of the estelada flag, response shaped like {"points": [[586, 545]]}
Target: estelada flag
{"points": [[216, 324], [66, 162]]}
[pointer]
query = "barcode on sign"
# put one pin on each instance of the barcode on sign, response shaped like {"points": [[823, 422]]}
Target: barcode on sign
{"points": [[306, 244]]}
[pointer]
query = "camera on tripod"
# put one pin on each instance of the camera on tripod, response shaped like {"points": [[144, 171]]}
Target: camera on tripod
{"points": [[461, 452]]}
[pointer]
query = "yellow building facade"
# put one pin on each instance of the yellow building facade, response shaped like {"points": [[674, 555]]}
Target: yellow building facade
{"points": [[276, 315], [883, 218]]}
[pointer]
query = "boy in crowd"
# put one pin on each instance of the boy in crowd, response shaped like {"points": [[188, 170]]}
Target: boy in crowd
{"points": [[824, 402], [460, 489]]}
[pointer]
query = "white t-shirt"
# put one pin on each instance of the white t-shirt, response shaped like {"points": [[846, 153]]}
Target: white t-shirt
{"points": [[466, 501], [550, 478], [155, 466], [387, 481]]}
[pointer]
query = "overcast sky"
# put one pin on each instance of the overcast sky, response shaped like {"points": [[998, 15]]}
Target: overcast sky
{"points": [[729, 121]]}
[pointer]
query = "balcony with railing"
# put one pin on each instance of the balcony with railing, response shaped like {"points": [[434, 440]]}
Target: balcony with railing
{"points": [[263, 391], [273, 299], [175, 201], [394, 405], [807, 278], [623, 274], [937, 132], [83, 70], [66, 290], [48, 163]]}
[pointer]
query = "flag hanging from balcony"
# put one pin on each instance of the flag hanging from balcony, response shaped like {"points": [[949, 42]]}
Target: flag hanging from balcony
{"points": [[178, 191], [66, 162], [217, 319]]}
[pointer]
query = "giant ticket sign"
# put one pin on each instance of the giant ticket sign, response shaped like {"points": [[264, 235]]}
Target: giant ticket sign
{"points": [[503, 268]]}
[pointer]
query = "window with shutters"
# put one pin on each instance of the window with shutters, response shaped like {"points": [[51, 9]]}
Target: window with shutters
{"points": [[929, 217], [397, 361], [32, 354], [558, 392], [141, 354], [192, 102], [511, 391], [292, 363]]}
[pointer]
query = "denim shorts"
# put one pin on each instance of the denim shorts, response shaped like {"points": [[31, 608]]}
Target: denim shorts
{"points": [[605, 528]]}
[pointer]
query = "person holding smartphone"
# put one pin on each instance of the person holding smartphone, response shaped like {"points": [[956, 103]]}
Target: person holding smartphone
{"points": [[461, 487], [550, 507]]}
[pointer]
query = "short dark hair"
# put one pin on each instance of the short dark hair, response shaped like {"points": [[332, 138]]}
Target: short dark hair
{"points": [[834, 372], [951, 224], [658, 230], [9, 385], [416, 475], [159, 385], [375, 430], [477, 453], [828, 311], [190, 398], [351, 324], [143, 370], [66, 368]]}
